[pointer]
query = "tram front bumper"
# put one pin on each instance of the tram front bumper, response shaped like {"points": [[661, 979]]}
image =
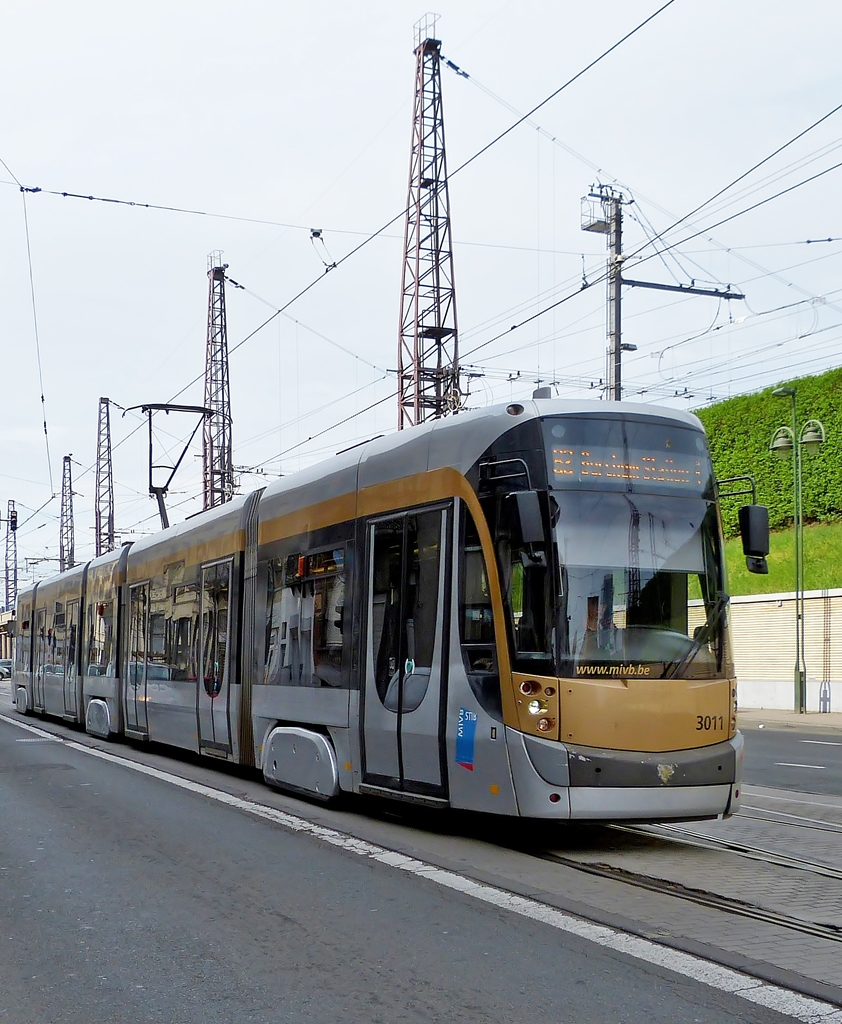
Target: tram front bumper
{"points": [[554, 780]]}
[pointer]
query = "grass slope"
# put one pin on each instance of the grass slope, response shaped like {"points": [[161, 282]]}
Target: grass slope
{"points": [[822, 562]]}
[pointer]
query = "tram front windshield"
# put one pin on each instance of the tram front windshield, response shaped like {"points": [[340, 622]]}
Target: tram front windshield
{"points": [[640, 584]]}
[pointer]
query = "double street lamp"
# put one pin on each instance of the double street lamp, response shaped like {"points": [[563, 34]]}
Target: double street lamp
{"points": [[786, 441]]}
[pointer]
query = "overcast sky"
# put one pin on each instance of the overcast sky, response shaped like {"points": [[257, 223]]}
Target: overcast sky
{"points": [[275, 118]]}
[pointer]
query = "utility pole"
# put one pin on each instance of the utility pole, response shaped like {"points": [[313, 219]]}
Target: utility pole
{"points": [[67, 557], [428, 345], [602, 213], [104, 509], [11, 556], [217, 457]]}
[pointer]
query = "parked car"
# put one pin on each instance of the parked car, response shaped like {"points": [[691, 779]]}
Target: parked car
{"points": [[5, 668]]}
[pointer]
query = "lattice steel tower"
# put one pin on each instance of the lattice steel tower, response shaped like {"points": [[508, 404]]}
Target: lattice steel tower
{"points": [[104, 509], [11, 556], [428, 351], [217, 458], [67, 554]]}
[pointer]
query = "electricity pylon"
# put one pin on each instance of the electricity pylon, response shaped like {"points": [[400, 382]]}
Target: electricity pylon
{"points": [[217, 457], [104, 509], [67, 555], [428, 344]]}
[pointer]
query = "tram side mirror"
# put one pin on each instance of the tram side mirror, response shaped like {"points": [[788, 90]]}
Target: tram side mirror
{"points": [[527, 509], [529, 516], [754, 530]]}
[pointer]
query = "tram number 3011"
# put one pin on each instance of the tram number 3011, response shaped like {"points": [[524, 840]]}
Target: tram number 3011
{"points": [[709, 723]]}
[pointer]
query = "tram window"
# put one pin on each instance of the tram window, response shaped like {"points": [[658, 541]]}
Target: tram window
{"points": [[100, 639], [157, 640], [137, 634], [306, 642], [476, 620], [72, 638], [525, 581], [23, 641], [182, 625], [179, 645], [40, 640], [57, 639]]}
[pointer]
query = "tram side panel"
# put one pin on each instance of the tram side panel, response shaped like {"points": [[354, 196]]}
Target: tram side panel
{"points": [[477, 754], [101, 663], [182, 616], [22, 681], [302, 698], [56, 681]]}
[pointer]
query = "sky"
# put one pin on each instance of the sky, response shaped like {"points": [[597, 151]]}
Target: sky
{"points": [[256, 122]]}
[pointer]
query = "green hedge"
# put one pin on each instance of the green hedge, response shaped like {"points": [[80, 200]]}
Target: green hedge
{"points": [[741, 429]]}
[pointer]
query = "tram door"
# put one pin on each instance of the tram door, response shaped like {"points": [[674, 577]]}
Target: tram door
{"points": [[212, 691], [403, 729], [39, 696], [71, 682], [134, 691]]}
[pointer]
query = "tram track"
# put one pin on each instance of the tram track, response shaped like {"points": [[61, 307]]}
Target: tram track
{"points": [[689, 837], [699, 897], [797, 821], [597, 862]]}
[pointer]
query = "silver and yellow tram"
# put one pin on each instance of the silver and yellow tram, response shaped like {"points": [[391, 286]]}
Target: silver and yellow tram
{"points": [[520, 610]]}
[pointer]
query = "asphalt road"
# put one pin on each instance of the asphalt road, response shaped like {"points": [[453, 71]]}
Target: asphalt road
{"points": [[125, 898], [807, 761]]}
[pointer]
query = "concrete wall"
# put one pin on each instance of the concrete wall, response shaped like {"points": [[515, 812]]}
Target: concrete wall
{"points": [[763, 637]]}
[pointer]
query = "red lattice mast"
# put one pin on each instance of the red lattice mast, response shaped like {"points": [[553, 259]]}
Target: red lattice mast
{"points": [[217, 456], [428, 353], [67, 545], [104, 509]]}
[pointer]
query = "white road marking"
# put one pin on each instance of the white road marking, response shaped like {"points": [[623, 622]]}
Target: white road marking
{"points": [[41, 739], [725, 979], [786, 764], [754, 791], [822, 743], [795, 817]]}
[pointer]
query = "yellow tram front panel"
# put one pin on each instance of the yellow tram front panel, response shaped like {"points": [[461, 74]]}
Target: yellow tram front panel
{"points": [[626, 713]]}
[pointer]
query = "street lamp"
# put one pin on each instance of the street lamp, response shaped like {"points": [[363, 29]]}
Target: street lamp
{"points": [[786, 441]]}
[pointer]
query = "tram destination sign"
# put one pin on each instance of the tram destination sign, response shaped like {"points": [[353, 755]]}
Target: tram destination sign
{"points": [[592, 464], [642, 456]]}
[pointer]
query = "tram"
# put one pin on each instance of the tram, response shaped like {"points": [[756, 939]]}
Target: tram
{"points": [[520, 610]]}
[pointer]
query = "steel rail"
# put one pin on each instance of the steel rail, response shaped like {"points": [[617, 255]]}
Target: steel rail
{"points": [[687, 837], [697, 896]]}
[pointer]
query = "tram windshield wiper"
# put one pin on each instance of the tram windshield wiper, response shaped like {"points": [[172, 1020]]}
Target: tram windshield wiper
{"points": [[702, 635]]}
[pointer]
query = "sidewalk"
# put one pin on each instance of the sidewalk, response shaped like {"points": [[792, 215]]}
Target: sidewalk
{"points": [[773, 718]]}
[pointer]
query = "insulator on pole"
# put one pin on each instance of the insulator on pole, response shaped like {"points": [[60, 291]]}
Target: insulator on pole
{"points": [[11, 556], [217, 455], [67, 557], [428, 350], [104, 508]]}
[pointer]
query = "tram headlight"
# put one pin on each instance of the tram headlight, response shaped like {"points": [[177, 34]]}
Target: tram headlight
{"points": [[536, 707], [545, 724]]}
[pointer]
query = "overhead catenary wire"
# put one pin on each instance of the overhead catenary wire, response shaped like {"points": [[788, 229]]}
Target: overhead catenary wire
{"points": [[35, 325], [593, 63], [643, 259], [320, 279], [600, 171], [392, 220], [752, 169]]}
